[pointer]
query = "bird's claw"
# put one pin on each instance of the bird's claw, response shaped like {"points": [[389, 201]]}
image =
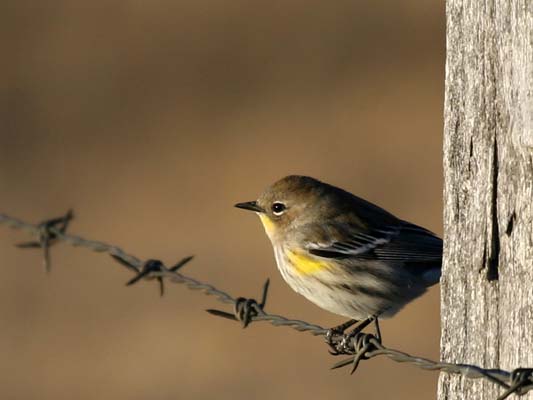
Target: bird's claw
{"points": [[344, 343]]}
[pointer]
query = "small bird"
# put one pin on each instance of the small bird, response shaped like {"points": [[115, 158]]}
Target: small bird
{"points": [[343, 253]]}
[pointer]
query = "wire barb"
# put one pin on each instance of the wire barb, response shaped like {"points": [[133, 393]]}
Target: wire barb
{"points": [[148, 268], [521, 382], [245, 310], [362, 345], [47, 237]]}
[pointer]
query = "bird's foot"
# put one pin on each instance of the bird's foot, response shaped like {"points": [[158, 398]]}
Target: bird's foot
{"points": [[342, 343], [335, 334]]}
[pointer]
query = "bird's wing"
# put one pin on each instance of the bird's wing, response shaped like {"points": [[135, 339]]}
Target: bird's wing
{"points": [[403, 242], [412, 245], [360, 244]]}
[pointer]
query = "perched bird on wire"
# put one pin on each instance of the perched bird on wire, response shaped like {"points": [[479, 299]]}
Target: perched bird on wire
{"points": [[345, 254]]}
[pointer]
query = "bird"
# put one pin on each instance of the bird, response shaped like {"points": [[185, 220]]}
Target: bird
{"points": [[346, 254]]}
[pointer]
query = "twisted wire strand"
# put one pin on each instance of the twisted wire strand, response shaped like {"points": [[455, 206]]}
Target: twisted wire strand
{"points": [[519, 381], [470, 371], [176, 277]]}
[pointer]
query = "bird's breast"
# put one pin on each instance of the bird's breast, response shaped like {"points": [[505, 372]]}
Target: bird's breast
{"points": [[305, 264], [294, 262]]}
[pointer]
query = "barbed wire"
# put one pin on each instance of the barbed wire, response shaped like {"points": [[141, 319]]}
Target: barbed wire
{"points": [[361, 346]]}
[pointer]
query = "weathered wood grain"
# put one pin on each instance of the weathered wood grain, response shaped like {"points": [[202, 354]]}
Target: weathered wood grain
{"points": [[487, 283]]}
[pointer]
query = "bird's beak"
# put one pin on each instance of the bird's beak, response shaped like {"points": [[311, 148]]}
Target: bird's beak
{"points": [[250, 205]]}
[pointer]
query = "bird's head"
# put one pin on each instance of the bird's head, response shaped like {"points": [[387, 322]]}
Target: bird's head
{"points": [[291, 202]]}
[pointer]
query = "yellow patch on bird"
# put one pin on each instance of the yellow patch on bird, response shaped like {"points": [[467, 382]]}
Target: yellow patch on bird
{"points": [[306, 265], [269, 226]]}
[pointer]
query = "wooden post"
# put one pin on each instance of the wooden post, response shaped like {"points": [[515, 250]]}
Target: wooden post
{"points": [[487, 283]]}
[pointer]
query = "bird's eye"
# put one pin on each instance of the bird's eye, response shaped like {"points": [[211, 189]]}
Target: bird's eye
{"points": [[278, 208]]}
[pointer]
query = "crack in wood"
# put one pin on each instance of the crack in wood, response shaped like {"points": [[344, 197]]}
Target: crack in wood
{"points": [[471, 154], [510, 224], [492, 267]]}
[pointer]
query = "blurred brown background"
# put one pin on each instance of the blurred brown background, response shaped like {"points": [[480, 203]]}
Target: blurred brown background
{"points": [[151, 119]]}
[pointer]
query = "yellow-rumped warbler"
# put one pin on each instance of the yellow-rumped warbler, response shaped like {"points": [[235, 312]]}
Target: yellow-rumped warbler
{"points": [[343, 253]]}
